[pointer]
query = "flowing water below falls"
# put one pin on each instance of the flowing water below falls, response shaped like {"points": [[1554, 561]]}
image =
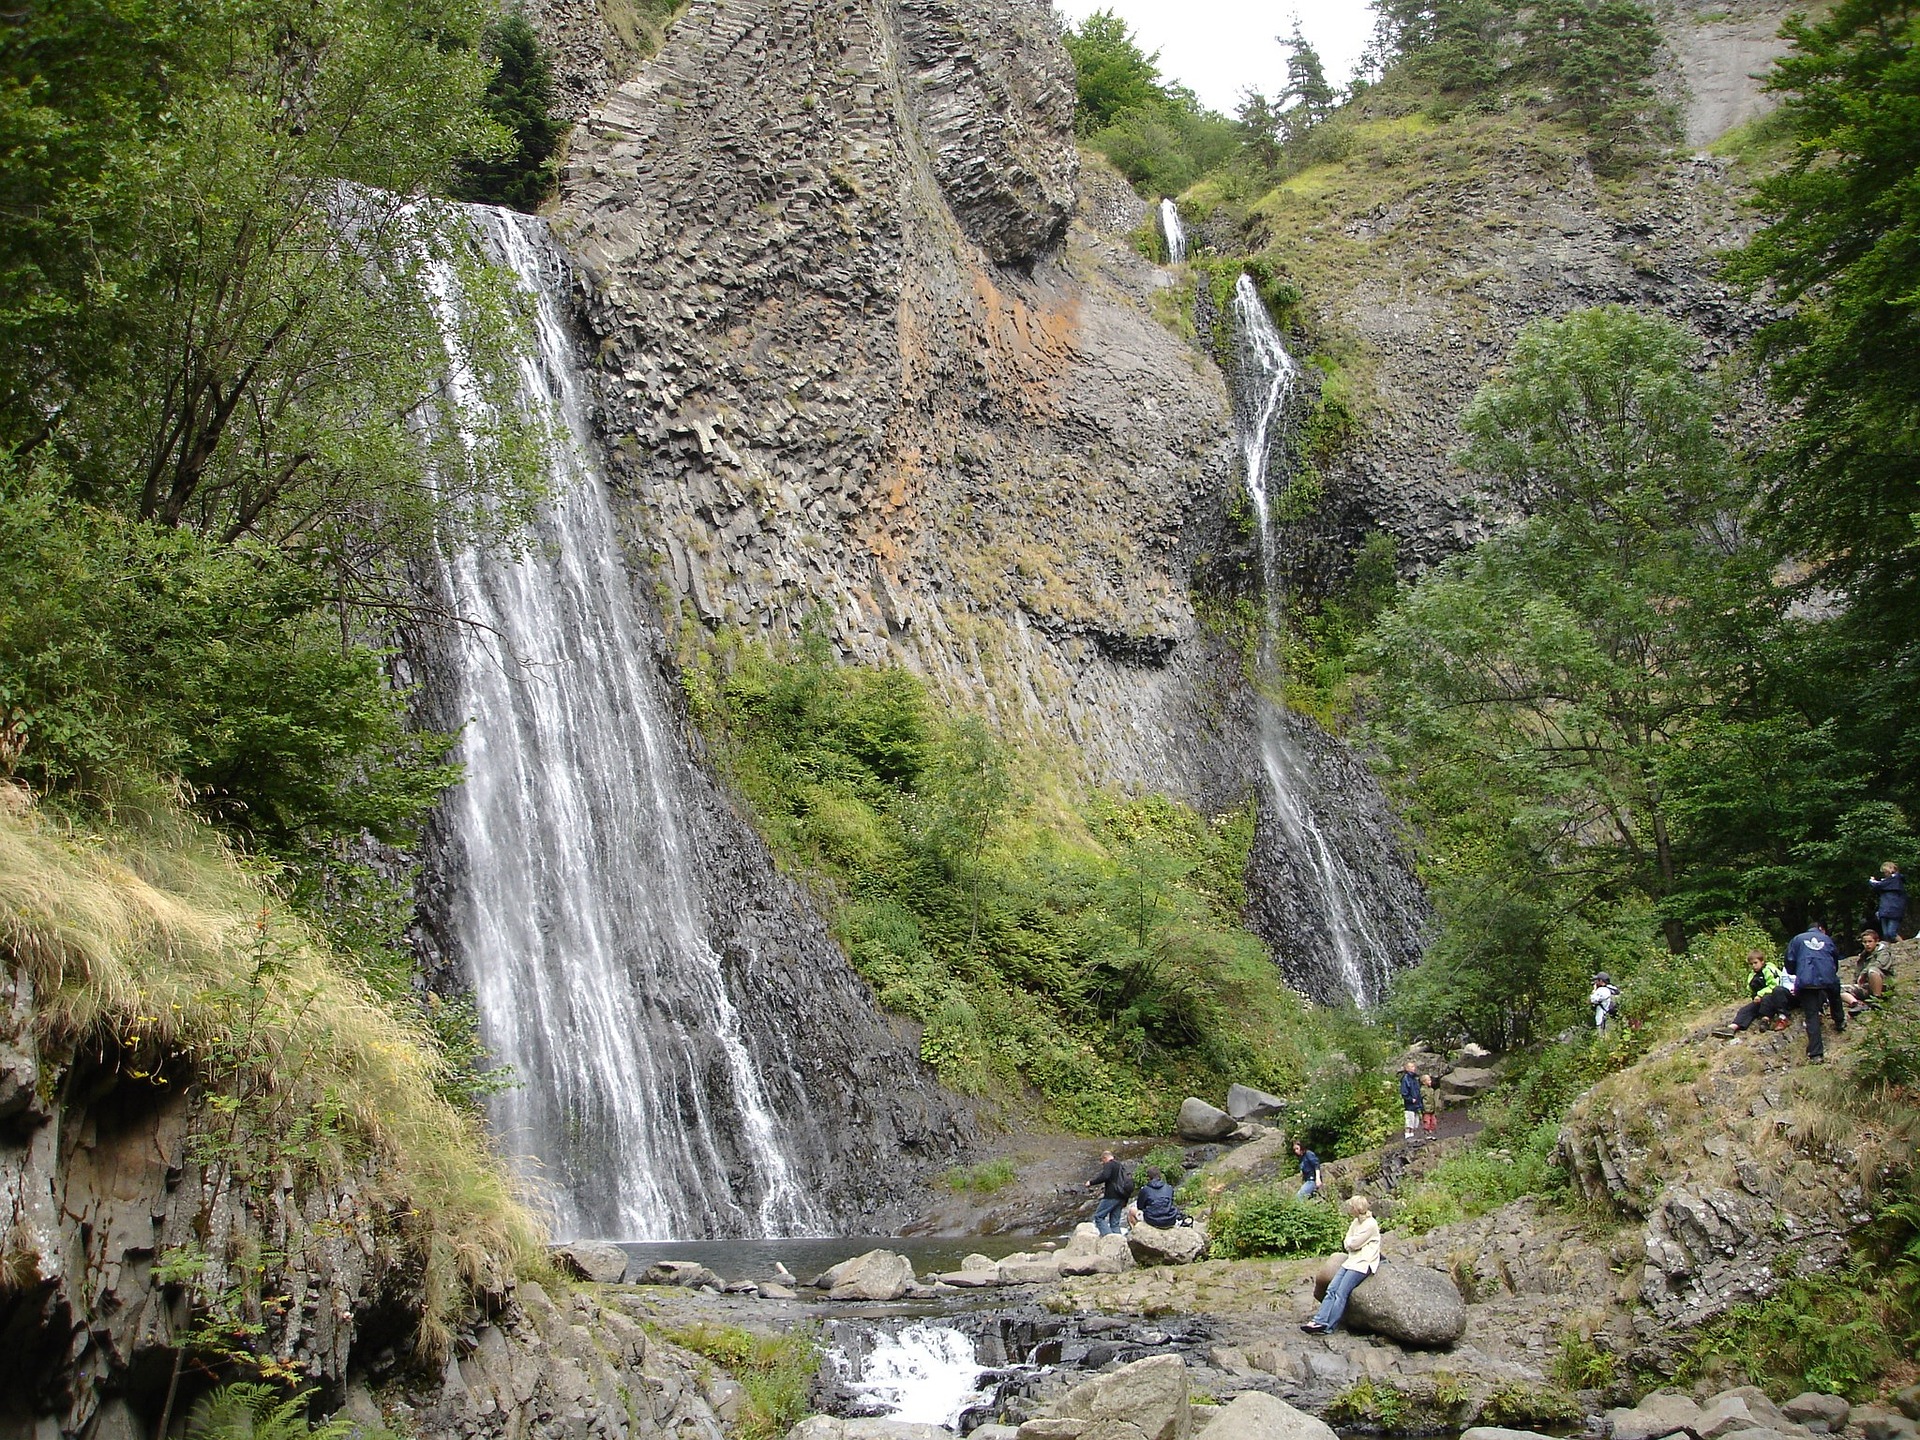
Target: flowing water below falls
{"points": [[1340, 906], [576, 911]]}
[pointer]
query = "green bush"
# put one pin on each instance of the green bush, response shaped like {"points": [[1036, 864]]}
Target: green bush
{"points": [[1267, 1220], [983, 1179], [776, 1371], [1479, 1179], [1828, 1333]]}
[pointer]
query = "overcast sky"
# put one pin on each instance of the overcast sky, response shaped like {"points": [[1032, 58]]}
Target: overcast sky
{"points": [[1221, 47]]}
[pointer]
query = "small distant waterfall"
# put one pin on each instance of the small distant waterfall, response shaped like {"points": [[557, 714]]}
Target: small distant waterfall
{"points": [[575, 908], [1353, 907], [1175, 232]]}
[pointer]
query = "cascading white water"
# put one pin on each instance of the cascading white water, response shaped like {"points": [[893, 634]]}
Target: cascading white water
{"points": [[1269, 377], [575, 909], [925, 1375], [1175, 232]]}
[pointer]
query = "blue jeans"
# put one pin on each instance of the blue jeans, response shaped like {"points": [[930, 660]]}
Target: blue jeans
{"points": [[1307, 1190], [1335, 1305], [1106, 1215], [1890, 927]]}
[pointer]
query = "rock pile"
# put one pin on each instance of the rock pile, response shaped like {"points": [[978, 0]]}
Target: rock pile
{"points": [[1087, 1252], [1151, 1400]]}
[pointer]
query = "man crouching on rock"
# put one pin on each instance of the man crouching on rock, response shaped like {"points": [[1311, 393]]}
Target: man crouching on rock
{"points": [[1363, 1258]]}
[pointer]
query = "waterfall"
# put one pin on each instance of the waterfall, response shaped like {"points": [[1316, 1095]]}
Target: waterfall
{"points": [[576, 908], [1353, 907], [1175, 232]]}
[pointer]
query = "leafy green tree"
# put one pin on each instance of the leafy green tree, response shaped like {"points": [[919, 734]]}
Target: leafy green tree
{"points": [[1113, 74], [1552, 668], [520, 98], [1840, 250]]}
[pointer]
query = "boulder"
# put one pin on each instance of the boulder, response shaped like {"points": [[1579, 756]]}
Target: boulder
{"points": [[1822, 1414], [876, 1275], [1149, 1396], [1181, 1245], [1500, 1432], [1052, 1427], [1246, 1103], [994, 1432], [1094, 1264], [979, 1262], [1907, 1401], [1409, 1304], [1117, 1247], [772, 1290], [600, 1261], [1877, 1422], [1029, 1270], [1662, 1413], [1200, 1121], [1464, 1084], [680, 1272], [970, 1279], [1085, 1239], [1744, 1408], [1254, 1416], [1268, 1148]]}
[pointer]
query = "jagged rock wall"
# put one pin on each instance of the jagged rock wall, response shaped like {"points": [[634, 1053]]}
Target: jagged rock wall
{"points": [[857, 357]]}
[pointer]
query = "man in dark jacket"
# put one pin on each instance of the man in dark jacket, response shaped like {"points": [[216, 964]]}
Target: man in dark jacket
{"points": [[1309, 1171], [1890, 899], [1410, 1099], [1112, 1180], [1814, 961]]}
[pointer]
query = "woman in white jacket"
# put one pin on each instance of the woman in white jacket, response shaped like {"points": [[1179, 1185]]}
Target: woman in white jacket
{"points": [[1363, 1258]]}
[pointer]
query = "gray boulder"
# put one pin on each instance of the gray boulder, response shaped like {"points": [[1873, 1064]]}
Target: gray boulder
{"points": [[1200, 1121], [1662, 1413], [1410, 1305], [1180, 1245], [1148, 1398], [1744, 1408], [1822, 1414], [1254, 1416], [1908, 1401], [1500, 1432], [1246, 1103], [680, 1272], [830, 1427], [600, 1261], [1465, 1084], [774, 1290], [876, 1275], [1877, 1422]]}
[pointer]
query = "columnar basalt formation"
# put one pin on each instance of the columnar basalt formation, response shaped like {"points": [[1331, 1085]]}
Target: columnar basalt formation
{"points": [[860, 356]]}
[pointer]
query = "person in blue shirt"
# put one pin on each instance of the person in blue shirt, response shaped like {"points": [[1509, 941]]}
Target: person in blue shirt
{"points": [[1156, 1203], [1309, 1172], [1814, 962], [1890, 899]]}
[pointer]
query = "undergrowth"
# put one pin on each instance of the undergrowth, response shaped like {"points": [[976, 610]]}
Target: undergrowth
{"points": [[776, 1371], [1266, 1220], [983, 1179], [1081, 948], [153, 950]]}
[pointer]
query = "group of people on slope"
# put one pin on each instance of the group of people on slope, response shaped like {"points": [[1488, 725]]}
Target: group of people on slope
{"points": [[1153, 1204], [1419, 1104], [1809, 979]]}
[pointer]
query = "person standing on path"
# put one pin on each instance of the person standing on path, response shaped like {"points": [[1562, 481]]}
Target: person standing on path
{"points": [[1814, 961], [1112, 1180], [1309, 1172], [1890, 899], [1410, 1104], [1362, 1245], [1429, 1107]]}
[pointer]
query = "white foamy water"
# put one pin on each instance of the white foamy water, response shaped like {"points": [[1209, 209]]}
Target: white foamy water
{"points": [[925, 1375], [1175, 232]]}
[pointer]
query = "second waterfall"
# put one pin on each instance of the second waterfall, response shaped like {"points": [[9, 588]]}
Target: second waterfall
{"points": [[1340, 907]]}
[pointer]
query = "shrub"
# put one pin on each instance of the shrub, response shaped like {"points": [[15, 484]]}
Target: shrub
{"points": [[984, 1178], [776, 1371], [1827, 1333], [1267, 1220]]}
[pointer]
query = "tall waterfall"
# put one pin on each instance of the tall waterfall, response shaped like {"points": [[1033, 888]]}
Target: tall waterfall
{"points": [[1175, 232], [578, 913], [1351, 907]]}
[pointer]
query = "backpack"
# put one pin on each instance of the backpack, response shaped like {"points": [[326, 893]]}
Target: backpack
{"points": [[1128, 1185]]}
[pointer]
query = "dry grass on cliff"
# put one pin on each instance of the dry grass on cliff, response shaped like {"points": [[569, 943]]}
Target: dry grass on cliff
{"points": [[153, 947]]}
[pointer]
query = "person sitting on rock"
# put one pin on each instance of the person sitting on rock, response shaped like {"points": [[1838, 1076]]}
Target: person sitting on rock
{"points": [[1873, 969], [1768, 993], [1362, 1245], [1309, 1172], [1410, 1099], [1155, 1203]]}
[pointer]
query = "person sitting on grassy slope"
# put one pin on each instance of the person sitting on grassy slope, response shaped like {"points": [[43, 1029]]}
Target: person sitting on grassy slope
{"points": [[1769, 993]]}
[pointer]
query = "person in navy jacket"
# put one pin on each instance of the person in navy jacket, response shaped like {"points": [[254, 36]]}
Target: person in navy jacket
{"points": [[1814, 961], [1890, 899]]}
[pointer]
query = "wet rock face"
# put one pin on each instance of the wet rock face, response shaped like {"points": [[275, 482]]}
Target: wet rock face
{"points": [[855, 359]]}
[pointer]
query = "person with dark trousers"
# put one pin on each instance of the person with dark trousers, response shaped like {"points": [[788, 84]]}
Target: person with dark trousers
{"points": [[1410, 1099], [1156, 1203], [1890, 899], [1112, 1181], [1768, 992], [1814, 961], [1309, 1172]]}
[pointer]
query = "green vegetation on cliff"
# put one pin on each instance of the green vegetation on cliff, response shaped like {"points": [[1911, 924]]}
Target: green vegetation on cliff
{"points": [[1084, 949], [157, 965]]}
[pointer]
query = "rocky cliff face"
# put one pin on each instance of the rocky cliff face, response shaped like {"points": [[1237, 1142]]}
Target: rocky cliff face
{"points": [[861, 356]]}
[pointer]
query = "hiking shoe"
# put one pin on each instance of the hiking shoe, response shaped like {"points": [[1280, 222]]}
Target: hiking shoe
{"points": [[1726, 1032]]}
